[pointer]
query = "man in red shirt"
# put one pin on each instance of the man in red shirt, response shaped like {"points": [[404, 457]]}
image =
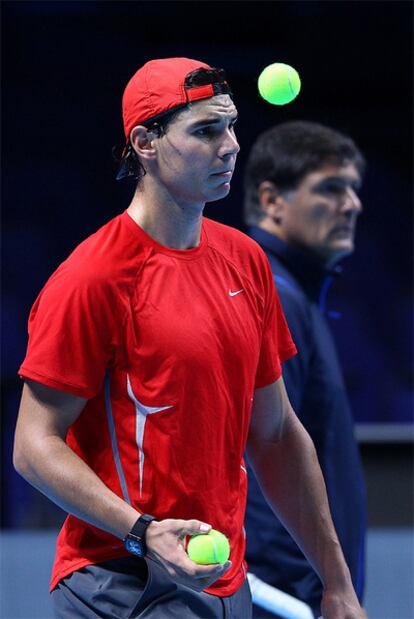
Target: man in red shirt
{"points": [[154, 360]]}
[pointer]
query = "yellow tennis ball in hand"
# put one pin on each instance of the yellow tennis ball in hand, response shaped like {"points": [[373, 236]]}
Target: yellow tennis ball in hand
{"points": [[212, 547], [279, 83]]}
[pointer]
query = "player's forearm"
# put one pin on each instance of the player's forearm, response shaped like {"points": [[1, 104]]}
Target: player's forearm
{"points": [[289, 474], [54, 469]]}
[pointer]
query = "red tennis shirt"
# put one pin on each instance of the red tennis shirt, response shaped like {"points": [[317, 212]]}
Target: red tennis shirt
{"points": [[167, 346]]}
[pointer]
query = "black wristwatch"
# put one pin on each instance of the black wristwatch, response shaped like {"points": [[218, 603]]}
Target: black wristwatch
{"points": [[135, 540]]}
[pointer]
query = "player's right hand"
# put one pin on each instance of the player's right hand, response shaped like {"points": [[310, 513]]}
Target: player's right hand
{"points": [[165, 541]]}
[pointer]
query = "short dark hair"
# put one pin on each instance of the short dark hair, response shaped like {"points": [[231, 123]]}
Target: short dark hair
{"points": [[287, 152], [129, 165]]}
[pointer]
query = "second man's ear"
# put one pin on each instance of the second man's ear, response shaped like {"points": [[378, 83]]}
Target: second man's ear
{"points": [[267, 193], [272, 202]]}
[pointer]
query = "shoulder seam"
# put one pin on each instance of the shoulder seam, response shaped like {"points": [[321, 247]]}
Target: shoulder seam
{"points": [[132, 288]]}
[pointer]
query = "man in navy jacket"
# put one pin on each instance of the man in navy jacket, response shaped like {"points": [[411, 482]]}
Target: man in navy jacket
{"points": [[302, 205]]}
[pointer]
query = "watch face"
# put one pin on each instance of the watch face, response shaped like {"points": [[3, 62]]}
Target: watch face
{"points": [[134, 546]]}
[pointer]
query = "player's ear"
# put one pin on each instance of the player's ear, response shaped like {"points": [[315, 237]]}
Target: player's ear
{"points": [[271, 200], [142, 141]]}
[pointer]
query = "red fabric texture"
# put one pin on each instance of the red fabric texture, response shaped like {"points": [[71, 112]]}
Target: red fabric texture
{"points": [[189, 332]]}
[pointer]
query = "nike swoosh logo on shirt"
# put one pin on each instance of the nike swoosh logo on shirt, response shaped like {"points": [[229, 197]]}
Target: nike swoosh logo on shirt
{"points": [[233, 294]]}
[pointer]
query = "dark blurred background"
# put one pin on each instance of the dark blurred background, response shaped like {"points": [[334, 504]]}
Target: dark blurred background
{"points": [[64, 68]]}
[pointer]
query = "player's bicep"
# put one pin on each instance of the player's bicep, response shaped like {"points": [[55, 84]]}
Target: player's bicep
{"points": [[270, 411], [45, 411]]}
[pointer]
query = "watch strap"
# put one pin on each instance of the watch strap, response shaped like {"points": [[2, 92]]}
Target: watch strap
{"points": [[140, 527], [135, 541]]}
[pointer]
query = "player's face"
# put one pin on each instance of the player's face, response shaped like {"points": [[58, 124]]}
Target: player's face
{"points": [[321, 214], [197, 155]]}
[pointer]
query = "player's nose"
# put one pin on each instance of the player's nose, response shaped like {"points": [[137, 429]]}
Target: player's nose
{"points": [[230, 144]]}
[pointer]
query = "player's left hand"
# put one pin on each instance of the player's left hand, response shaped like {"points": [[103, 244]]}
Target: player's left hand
{"points": [[166, 546], [341, 605]]}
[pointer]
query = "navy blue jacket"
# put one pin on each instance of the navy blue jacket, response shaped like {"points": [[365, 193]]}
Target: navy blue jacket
{"points": [[316, 390]]}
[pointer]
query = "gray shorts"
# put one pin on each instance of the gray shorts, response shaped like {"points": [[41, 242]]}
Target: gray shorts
{"points": [[131, 588]]}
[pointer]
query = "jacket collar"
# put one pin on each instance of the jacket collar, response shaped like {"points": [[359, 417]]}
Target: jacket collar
{"points": [[312, 275]]}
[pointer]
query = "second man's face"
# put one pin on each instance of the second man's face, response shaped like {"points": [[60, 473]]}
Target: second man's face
{"points": [[197, 155], [321, 213]]}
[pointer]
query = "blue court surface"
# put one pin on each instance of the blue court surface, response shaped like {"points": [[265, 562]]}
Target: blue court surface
{"points": [[26, 559]]}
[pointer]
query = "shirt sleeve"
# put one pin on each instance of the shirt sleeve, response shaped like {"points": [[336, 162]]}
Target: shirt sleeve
{"points": [[277, 343], [72, 333], [296, 370]]}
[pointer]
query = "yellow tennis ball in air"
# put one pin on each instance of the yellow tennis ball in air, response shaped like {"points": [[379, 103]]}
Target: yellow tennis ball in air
{"points": [[279, 83], [212, 547]]}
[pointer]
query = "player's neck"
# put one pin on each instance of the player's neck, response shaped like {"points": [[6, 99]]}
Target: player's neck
{"points": [[174, 225]]}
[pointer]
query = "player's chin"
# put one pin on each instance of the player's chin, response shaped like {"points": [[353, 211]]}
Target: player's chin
{"points": [[221, 191]]}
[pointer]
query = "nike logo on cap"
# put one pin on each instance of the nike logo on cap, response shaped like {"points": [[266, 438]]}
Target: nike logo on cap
{"points": [[233, 294]]}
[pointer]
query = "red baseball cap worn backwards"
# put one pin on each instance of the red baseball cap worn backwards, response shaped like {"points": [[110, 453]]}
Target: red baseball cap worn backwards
{"points": [[160, 86]]}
